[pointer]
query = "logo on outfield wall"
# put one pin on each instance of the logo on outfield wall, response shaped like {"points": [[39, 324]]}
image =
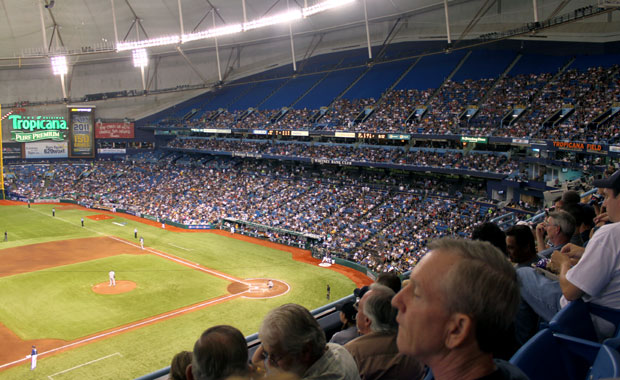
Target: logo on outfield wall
{"points": [[36, 128]]}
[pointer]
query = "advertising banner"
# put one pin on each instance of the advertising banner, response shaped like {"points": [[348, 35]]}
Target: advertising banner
{"points": [[577, 146], [114, 130], [30, 128], [82, 131], [474, 139], [199, 227], [11, 150], [111, 151], [46, 149]]}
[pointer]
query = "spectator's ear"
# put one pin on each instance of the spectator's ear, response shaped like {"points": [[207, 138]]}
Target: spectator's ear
{"points": [[188, 372], [459, 330]]}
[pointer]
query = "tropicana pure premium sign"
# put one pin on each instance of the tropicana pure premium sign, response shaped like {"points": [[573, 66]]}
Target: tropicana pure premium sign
{"points": [[35, 128]]}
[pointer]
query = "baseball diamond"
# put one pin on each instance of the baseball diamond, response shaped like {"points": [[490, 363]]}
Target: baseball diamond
{"points": [[316, 167], [58, 297]]}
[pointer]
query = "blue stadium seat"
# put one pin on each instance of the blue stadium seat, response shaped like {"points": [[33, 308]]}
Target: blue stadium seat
{"points": [[550, 355], [606, 365], [574, 319]]}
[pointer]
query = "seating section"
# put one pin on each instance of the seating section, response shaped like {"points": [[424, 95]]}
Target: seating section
{"points": [[553, 97], [437, 158], [353, 213]]}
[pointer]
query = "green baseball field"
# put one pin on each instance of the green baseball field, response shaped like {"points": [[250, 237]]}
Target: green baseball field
{"points": [[56, 294]]}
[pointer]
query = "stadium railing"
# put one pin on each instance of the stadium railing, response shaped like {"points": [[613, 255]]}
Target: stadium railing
{"points": [[327, 316]]}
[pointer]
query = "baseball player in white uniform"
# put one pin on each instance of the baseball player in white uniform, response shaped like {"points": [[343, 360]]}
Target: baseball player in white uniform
{"points": [[112, 276], [33, 358]]}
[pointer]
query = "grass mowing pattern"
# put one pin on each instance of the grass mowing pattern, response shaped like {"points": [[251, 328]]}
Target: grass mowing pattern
{"points": [[151, 347]]}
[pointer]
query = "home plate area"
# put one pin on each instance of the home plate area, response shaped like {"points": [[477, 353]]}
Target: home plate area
{"points": [[259, 288]]}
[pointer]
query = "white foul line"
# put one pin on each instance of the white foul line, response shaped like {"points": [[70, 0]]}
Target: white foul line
{"points": [[179, 247], [145, 322], [192, 265], [85, 364]]}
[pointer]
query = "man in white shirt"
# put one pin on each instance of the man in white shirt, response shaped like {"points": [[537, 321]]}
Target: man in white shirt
{"points": [[593, 273]]}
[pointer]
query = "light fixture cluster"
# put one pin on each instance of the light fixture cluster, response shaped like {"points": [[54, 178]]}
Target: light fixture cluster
{"points": [[160, 41], [211, 33], [281, 18], [323, 6], [59, 65], [140, 58], [273, 20]]}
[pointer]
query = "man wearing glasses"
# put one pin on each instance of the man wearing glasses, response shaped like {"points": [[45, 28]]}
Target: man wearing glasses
{"points": [[558, 227], [293, 342]]}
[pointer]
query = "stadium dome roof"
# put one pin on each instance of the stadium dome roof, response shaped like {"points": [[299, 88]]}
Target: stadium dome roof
{"points": [[82, 27], [88, 32]]}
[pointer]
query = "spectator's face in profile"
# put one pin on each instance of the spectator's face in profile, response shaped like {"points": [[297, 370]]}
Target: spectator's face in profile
{"points": [[280, 360], [362, 321], [512, 248], [422, 316], [612, 205]]}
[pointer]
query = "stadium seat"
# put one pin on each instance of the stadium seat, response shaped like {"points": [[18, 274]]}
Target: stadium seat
{"points": [[550, 355], [574, 319], [606, 365]]}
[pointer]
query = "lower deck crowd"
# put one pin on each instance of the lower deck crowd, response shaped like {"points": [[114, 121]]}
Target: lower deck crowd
{"points": [[382, 222]]}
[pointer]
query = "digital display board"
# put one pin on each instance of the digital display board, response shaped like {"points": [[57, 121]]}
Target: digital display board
{"points": [[81, 131]]}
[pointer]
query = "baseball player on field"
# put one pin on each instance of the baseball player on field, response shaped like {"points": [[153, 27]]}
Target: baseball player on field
{"points": [[112, 276], [33, 358]]}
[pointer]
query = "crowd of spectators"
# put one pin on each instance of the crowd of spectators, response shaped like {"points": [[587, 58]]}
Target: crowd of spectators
{"points": [[442, 158], [349, 213], [393, 110], [484, 277], [589, 93], [509, 93]]}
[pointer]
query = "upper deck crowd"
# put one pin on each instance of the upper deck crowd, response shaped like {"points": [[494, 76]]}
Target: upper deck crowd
{"points": [[589, 98]]}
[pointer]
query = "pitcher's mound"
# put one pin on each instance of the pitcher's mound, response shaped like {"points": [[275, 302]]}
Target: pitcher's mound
{"points": [[259, 288], [121, 287]]}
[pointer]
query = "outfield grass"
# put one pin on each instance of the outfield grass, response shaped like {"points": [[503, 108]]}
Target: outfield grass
{"points": [[163, 285]]}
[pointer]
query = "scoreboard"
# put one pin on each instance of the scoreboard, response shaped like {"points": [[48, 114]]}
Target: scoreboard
{"points": [[81, 131]]}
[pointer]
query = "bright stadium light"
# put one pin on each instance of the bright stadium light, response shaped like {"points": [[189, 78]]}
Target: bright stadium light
{"points": [[211, 33], [281, 18], [272, 20], [59, 65], [140, 58], [161, 41], [323, 6]]}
